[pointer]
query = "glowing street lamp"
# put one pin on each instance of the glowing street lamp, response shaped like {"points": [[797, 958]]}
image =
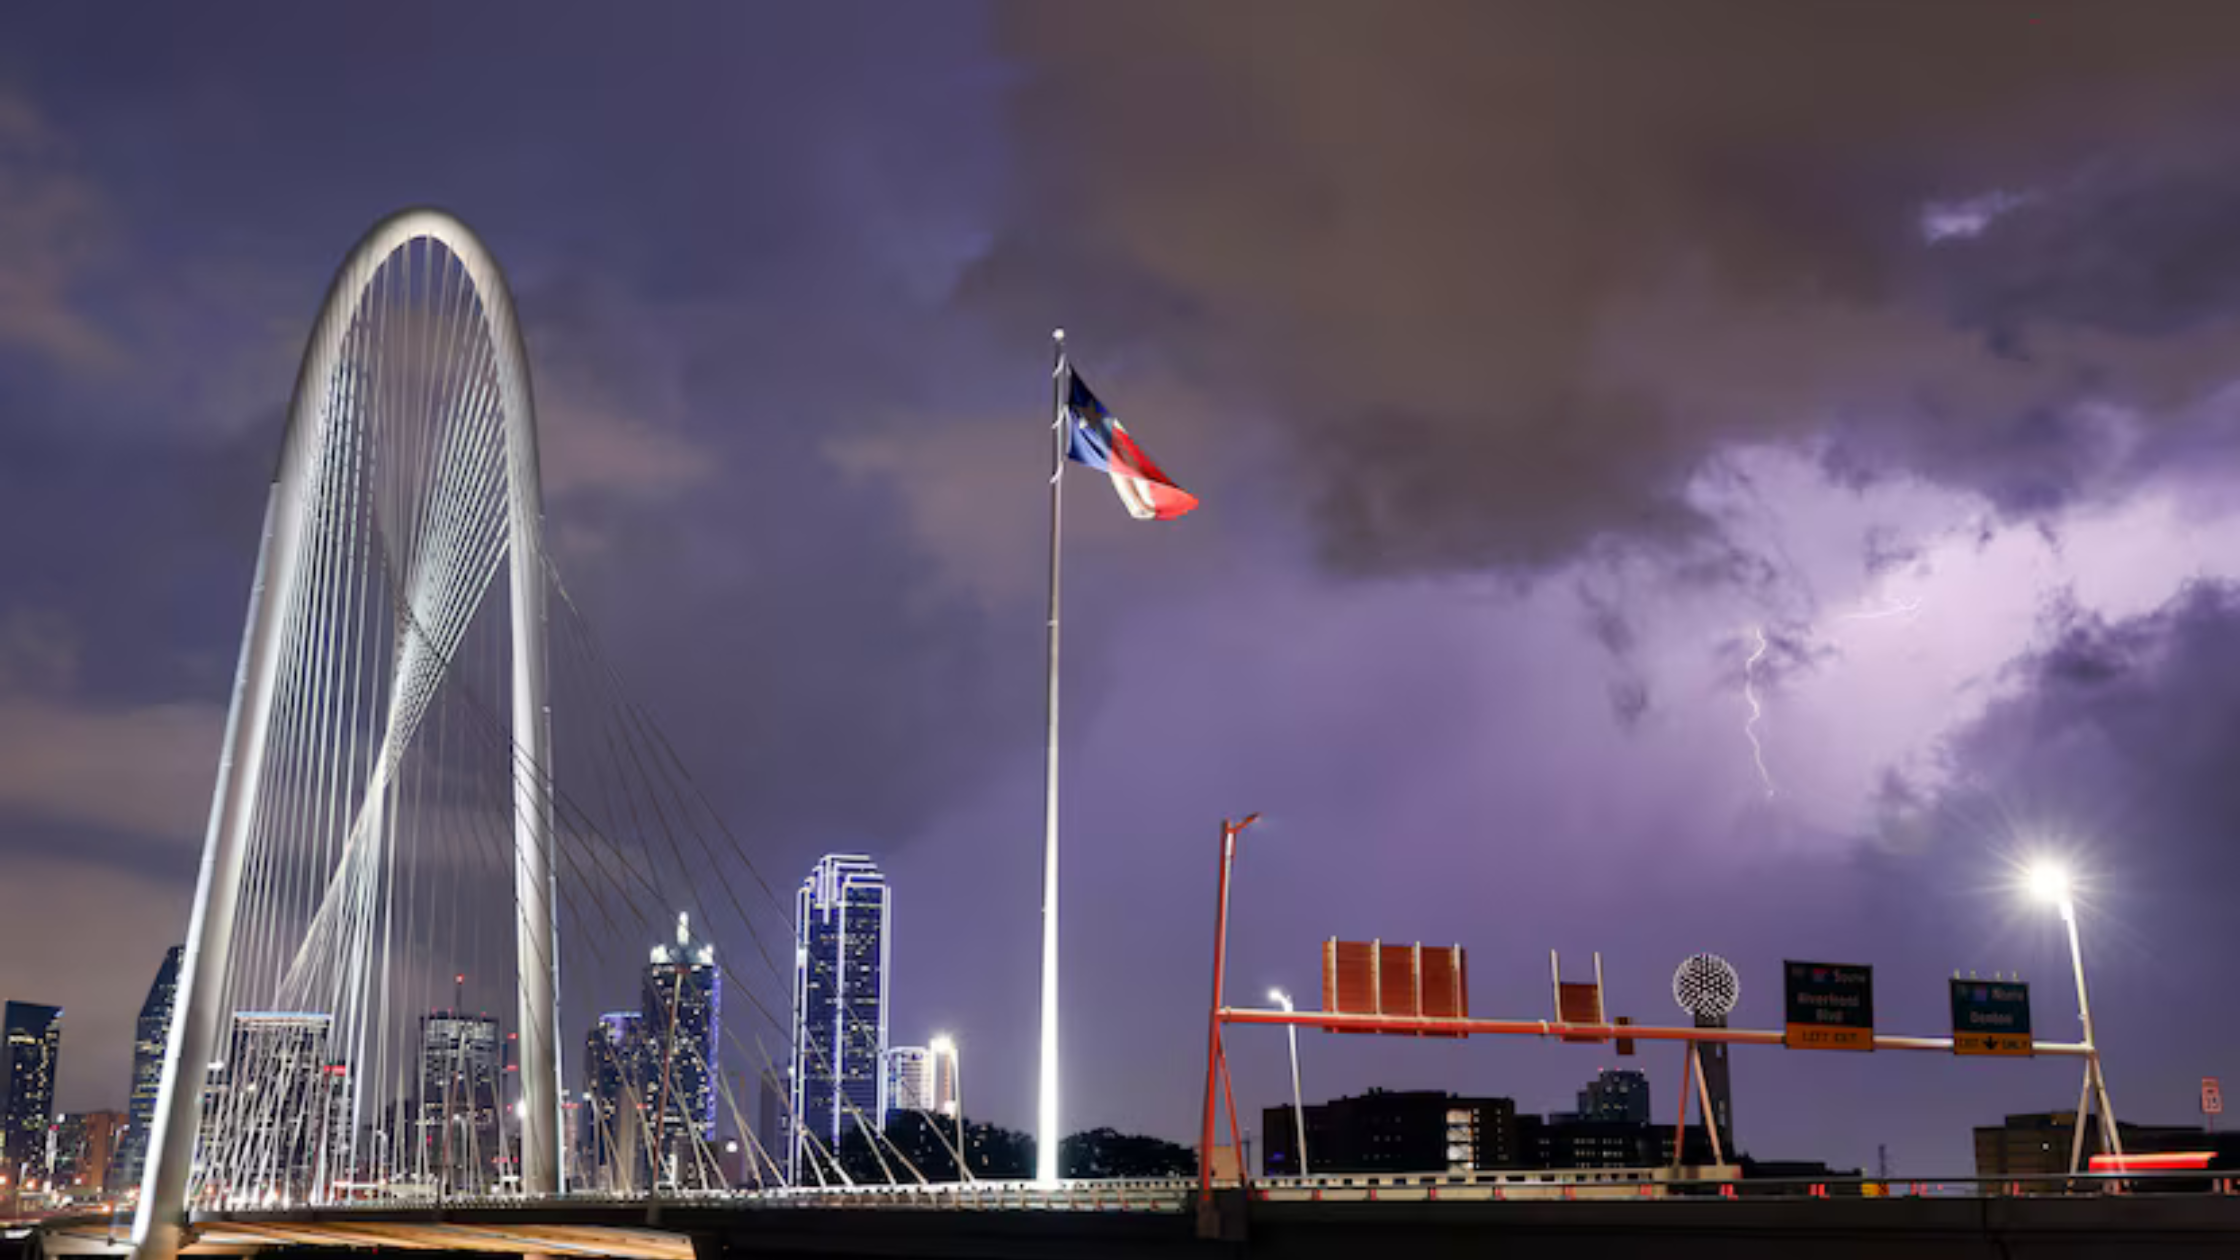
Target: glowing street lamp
{"points": [[1298, 1106], [2049, 881]]}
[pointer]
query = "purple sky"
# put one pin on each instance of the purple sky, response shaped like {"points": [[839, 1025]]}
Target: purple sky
{"points": [[1531, 362]]}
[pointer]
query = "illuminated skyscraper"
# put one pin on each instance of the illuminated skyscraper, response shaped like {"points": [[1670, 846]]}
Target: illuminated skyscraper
{"points": [[32, 1045], [922, 1078], [614, 1069], [459, 1098], [839, 1007], [681, 1016], [285, 1103], [148, 1041], [910, 1084], [1616, 1094]]}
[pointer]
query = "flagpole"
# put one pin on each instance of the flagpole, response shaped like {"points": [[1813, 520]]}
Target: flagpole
{"points": [[1047, 1135]]}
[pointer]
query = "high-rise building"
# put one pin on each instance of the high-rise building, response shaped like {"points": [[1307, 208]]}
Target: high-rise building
{"points": [[909, 1079], [681, 1016], [284, 1106], [946, 1098], [771, 1126], [85, 1150], [150, 1037], [614, 1058], [922, 1078], [458, 1098], [838, 1083], [31, 1040], [1616, 1094]]}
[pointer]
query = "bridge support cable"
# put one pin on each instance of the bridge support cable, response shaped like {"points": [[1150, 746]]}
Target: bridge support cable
{"points": [[377, 814], [406, 484], [674, 802], [599, 872]]}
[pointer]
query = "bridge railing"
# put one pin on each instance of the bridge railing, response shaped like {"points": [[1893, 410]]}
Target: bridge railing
{"points": [[1717, 1182]]}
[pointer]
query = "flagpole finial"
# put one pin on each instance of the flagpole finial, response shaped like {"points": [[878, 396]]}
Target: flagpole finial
{"points": [[1057, 334]]}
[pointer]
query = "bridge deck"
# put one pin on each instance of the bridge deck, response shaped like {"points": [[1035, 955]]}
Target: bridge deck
{"points": [[1671, 1229]]}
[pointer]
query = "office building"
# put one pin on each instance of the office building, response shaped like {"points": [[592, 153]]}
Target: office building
{"points": [[150, 1036], [1620, 1094], [2037, 1144], [459, 1102], [910, 1084], [910, 1079], [31, 1040], [85, 1146], [283, 1103], [838, 1082], [947, 1097], [613, 1115], [1388, 1131], [682, 1022], [1570, 1141], [771, 1126]]}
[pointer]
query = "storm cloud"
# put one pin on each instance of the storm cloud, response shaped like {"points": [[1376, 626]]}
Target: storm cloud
{"points": [[1506, 276]]}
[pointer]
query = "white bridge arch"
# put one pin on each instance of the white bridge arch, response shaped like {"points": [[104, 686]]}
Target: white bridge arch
{"points": [[411, 454]]}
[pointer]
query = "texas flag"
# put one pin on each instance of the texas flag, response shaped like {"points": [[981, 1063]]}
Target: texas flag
{"points": [[1096, 438]]}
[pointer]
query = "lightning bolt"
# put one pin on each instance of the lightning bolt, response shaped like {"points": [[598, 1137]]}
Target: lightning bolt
{"points": [[1750, 694], [1894, 608]]}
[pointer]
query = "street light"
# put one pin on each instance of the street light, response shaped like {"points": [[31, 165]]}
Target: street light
{"points": [[1298, 1105], [944, 1046], [2049, 881]]}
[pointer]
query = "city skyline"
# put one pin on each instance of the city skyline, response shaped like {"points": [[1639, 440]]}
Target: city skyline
{"points": [[1733, 517]]}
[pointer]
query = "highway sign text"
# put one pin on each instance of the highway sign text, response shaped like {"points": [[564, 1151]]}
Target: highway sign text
{"points": [[1831, 1006]]}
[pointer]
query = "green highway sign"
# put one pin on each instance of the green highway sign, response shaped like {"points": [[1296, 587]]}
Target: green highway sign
{"points": [[1991, 1017], [1831, 1006]]}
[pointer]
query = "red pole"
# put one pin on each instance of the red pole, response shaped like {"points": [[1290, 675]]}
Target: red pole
{"points": [[1213, 1022], [1236, 1142], [1216, 1065]]}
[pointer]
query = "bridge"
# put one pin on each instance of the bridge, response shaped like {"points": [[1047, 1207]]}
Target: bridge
{"points": [[424, 789], [1621, 1213]]}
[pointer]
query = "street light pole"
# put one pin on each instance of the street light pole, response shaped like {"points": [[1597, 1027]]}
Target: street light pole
{"points": [[2051, 883], [1298, 1105], [2111, 1139]]}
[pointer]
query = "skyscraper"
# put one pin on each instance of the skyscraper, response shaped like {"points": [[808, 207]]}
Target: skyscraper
{"points": [[682, 1013], [1616, 1094], [459, 1098], [771, 1126], [614, 1059], [284, 1104], [32, 1045], [922, 1078], [910, 1084], [839, 1006], [149, 1039]]}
